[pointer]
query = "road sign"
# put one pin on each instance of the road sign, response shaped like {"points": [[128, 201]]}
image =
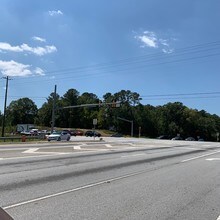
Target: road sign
{"points": [[95, 121]]}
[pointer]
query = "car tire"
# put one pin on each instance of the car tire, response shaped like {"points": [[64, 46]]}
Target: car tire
{"points": [[59, 139], [68, 138]]}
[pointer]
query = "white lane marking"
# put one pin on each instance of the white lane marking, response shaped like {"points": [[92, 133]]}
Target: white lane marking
{"points": [[190, 148], [76, 148], [34, 151], [56, 154], [133, 155], [30, 151], [15, 158], [218, 218], [72, 190], [204, 155], [108, 145], [211, 159]]}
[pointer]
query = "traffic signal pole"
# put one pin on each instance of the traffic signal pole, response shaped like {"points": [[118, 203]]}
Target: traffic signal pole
{"points": [[132, 124]]}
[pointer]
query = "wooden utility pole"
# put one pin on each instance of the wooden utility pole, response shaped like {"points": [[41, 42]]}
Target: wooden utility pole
{"points": [[6, 95], [53, 109]]}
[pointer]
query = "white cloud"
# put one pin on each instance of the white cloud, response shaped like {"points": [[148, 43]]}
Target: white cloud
{"points": [[39, 51], [12, 68], [151, 39], [39, 39], [148, 39], [164, 42], [55, 13], [39, 71]]}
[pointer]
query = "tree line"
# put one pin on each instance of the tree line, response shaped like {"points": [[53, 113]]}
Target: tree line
{"points": [[170, 119]]}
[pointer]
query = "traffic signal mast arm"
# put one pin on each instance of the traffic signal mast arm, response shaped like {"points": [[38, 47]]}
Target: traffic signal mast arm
{"points": [[113, 104]]}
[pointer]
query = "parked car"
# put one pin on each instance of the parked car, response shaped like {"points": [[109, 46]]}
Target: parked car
{"points": [[92, 134], [190, 139], [59, 136]]}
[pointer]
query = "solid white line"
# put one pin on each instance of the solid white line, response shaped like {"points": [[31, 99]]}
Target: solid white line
{"points": [[30, 150], [204, 155], [218, 218], [71, 190]]}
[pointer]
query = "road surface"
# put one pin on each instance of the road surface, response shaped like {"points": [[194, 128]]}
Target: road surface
{"points": [[115, 178]]}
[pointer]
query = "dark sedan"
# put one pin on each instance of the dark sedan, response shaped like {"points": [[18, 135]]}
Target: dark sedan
{"points": [[92, 134]]}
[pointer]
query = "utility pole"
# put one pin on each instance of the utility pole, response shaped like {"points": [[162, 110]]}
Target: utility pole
{"points": [[54, 107], [6, 95]]}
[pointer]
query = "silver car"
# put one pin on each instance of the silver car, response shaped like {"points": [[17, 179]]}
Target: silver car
{"points": [[59, 136]]}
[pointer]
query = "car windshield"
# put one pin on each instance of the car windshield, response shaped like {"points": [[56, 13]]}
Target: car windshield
{"points": [[110, 109], [56, 132]]}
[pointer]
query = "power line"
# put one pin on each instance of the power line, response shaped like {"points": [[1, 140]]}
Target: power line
{"points": [[182, 94], [124, 69], [138, 60]]}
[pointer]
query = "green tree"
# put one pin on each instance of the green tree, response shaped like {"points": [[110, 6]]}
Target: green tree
{"points": [[45, 112], [23, 110]]}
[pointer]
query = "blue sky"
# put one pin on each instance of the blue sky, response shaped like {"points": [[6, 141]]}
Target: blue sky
{"points": [[165, 50]]}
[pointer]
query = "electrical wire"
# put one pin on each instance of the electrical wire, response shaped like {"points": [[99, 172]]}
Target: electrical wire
{"points": [[148, 60]]}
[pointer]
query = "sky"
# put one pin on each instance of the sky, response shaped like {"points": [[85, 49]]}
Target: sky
{"points": [[166, 51]]}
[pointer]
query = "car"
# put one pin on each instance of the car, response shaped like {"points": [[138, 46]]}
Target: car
{"points": [[59, 136], [117, 135], [71, 132], [190, 139], [78, 133], [26, 133], [92, 134], [34, 132], [177, 138], [201, 139], [164, 137]]}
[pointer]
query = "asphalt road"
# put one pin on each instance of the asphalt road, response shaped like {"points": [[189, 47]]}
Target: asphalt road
{"points": [[115, 178]]}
